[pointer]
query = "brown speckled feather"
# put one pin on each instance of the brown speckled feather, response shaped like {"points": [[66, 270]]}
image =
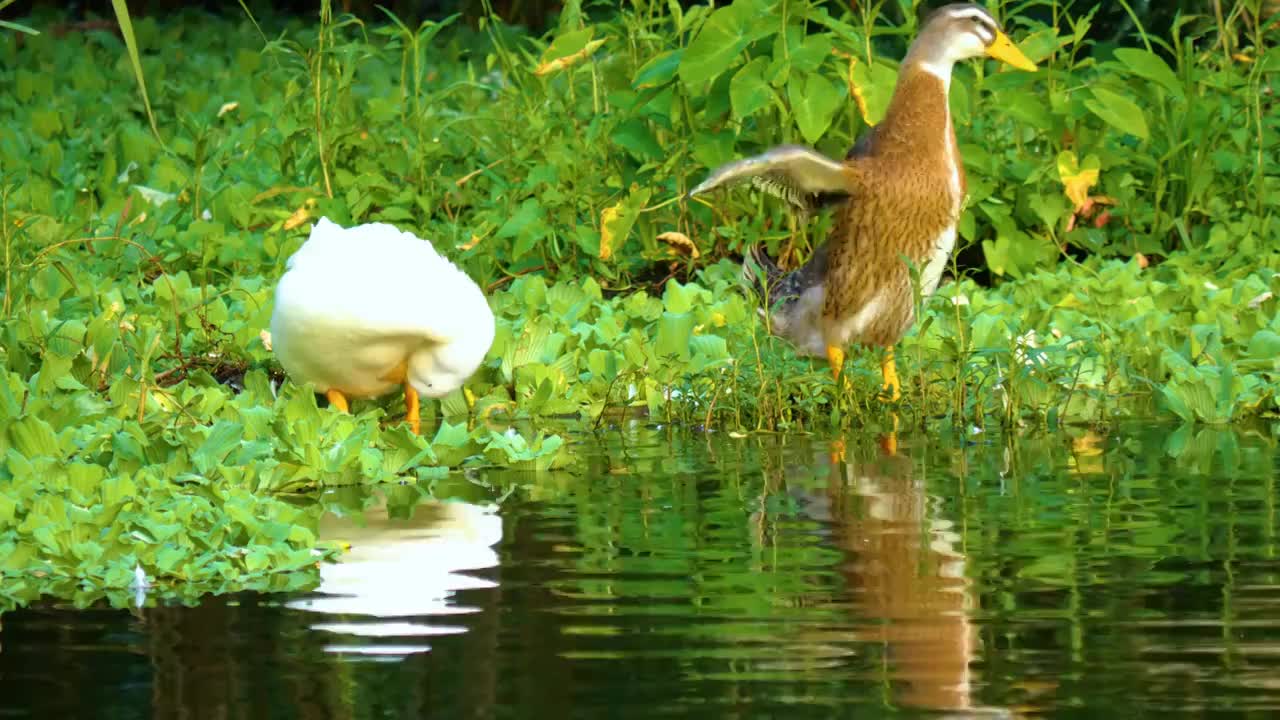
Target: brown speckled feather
{"points": [[902, 200]]}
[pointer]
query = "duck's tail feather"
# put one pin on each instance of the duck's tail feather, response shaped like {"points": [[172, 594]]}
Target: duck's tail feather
{"points": [[759, 271], [773, 284]]}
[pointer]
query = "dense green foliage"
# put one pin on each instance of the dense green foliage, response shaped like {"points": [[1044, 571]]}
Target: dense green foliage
{"points": [[138, 263]]}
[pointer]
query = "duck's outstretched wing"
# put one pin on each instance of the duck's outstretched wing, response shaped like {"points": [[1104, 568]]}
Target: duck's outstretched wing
{"points": [[804, 178]]}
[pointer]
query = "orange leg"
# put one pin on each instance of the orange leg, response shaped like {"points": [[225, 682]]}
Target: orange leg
{"points": [[889, 369], [837, 453], [411, 402], [835, 356], [338, 400], [889, 441]]}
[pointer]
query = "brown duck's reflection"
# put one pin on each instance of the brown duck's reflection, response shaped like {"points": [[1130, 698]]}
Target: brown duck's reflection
{"points": [[906, 573]]}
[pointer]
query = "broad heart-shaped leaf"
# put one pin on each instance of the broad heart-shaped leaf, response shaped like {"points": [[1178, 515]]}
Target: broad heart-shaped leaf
{"points": [[1119, 112], [748, 90], [814, 103], [659, 70], [1150, 66], [722, 39], [876, 82]]}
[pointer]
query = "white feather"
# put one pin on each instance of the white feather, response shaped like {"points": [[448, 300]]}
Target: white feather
{"points": [[356, 303]]}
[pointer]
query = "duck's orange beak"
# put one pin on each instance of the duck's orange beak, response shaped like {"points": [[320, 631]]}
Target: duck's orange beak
{"points": [[1005, 51]]}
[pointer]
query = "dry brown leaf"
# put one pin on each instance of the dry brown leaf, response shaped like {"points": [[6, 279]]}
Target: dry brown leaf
{"points": [[680, 243]]}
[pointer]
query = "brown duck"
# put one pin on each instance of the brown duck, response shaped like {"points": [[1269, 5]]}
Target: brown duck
{"points": [[897, 193]]}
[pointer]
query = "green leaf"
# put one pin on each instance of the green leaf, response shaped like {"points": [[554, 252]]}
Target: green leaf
{"points": [[568, 43], [527, 225], [814, 105], [33, 437], [674, 332], [660, 70], [1152, 67], [1264, 345], [635, 137], [222, 438], [721, 40], [131, 43], [1119, 112], [748, 91], [18, 27]]}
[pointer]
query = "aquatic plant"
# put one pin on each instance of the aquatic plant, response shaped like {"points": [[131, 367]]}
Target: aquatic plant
{"points": [[1117, 257]]}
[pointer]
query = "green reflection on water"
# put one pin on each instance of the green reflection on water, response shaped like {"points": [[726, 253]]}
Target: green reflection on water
{"points": [[1129, 572]]}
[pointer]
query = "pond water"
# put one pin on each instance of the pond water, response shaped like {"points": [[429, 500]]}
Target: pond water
{"points": [[1080, 574]]}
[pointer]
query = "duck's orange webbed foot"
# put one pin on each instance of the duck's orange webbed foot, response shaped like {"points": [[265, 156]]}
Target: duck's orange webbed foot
{"points": [[338, 400]]}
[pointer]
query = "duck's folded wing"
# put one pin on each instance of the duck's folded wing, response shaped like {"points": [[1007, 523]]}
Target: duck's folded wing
{"points": [[796, 174]]}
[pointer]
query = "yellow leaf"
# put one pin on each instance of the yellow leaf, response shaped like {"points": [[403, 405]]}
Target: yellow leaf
{"points": [[607, 220], [570, 60], [1077, 181], [680, 242], [1077, 186], [300, 215], [227, 107], [855, 89], [616, 222]]}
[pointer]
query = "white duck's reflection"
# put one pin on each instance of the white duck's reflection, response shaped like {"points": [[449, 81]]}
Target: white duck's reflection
{"points": [[401, 572]]}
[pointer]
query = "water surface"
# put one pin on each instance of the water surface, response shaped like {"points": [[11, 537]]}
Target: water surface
{"points": [[1078, 574]]}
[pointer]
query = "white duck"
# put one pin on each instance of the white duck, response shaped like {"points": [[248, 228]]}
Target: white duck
{"points": [[362, 310]]}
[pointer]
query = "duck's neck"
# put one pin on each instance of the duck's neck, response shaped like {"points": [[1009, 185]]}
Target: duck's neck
{"points": [[916, 134], [919, 116], [925, 58]]}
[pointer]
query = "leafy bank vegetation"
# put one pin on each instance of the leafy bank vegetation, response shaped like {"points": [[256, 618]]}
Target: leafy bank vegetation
{"points": [[1119, 249]]}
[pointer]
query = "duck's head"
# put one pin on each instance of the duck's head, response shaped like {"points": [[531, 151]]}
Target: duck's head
{"points": [[961, 31], [461, 347]]}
